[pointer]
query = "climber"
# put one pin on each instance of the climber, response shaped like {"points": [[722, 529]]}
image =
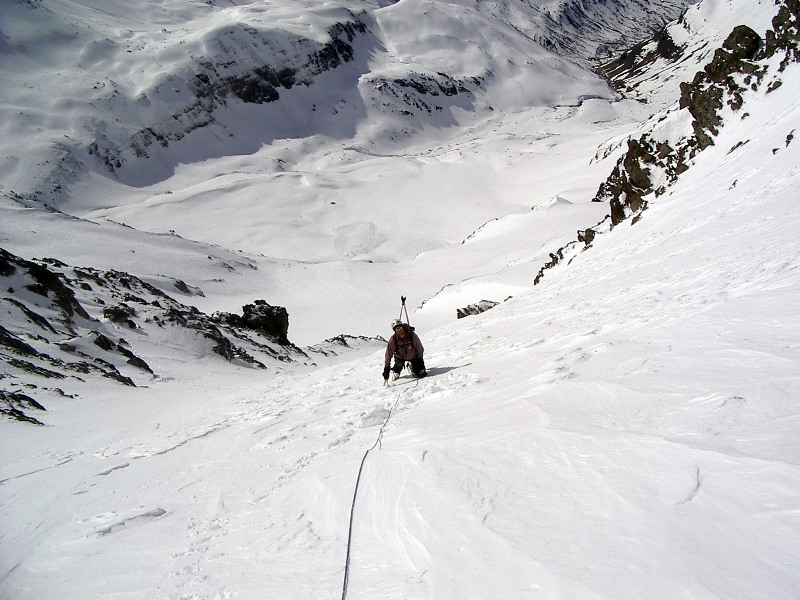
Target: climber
{"points": [[405, 346]]}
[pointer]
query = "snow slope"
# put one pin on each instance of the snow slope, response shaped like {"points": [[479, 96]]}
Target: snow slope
{"points": [[625, 429], [612, 433], [349, 182]]}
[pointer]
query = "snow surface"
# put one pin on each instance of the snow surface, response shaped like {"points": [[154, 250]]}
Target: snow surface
{"points": [[625, 429]]}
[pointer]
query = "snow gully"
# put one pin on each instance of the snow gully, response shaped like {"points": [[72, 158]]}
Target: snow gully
{"points": [[377, 444]]}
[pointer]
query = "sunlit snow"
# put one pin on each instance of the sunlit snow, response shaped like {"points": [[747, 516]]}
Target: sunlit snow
{"points": [[626, 429]]}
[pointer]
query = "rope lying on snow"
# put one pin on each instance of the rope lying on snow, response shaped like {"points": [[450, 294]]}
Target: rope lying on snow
{"points": [[355, 493]]}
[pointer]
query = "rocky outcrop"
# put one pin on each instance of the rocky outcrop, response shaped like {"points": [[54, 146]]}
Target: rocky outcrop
{"points": [[343, 347], [632, 179], [656, 159], [783, 38], [724, 79], [15, 404], [637, 58], [271, 322], [421, 93], [65, 327], [736, 67], [263, 82], [475, 309]]}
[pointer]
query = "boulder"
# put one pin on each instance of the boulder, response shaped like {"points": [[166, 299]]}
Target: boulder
{"points": [[475, 309]]}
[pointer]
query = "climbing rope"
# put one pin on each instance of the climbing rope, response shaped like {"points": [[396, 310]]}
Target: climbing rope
{"points": [[355, 492]]}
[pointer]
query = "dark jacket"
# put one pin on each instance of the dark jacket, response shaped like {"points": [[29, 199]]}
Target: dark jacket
{"points": [[408, 349]]}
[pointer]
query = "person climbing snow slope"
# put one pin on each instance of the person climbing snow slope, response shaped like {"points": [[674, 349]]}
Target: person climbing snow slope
{"points": [[404, 346]]}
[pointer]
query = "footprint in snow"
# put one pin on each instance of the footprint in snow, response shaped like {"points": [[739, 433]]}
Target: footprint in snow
{"points": [[376, 417]]}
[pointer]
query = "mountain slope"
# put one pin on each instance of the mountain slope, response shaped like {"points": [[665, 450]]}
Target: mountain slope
{"points": [[346, 178], [226, 206], [133, 92], [624, 430]]}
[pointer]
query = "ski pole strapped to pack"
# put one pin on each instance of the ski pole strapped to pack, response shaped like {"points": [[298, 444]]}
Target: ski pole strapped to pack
{"points": [[403, 309]]}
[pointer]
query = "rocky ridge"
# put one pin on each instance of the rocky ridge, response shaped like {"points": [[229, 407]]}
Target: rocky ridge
{"points": [[655, 160], [220, 78], [66, 325]]}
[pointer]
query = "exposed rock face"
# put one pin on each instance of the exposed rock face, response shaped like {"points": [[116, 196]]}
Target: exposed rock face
{"points": [[64, 324], [652, 158], [271, 322], [735, 68], [338, 348], [555, 258], [475, 309], [586, 236], [14, 405], [262, 84], [783, 38], [704, 96], [633, 177], [639, 56], [654, 161]]}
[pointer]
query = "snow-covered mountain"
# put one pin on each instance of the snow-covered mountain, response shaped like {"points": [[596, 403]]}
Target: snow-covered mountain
{"points": [[131, 94], [625, 428], [133, 91]]}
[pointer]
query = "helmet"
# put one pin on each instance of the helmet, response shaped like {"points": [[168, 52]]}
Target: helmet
{"points": [[397, 323]]}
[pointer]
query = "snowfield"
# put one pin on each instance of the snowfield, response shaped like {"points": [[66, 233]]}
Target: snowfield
{"points": [[625, 429]]}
